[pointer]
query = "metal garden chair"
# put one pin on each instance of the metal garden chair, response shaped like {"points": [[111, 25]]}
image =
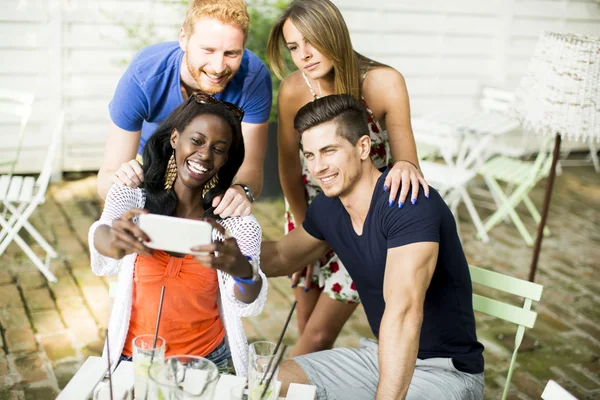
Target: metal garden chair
{"points": [[21, 195], [523, 316]]}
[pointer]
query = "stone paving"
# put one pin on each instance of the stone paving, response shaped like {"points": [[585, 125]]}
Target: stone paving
{"points": [[48, 330]]}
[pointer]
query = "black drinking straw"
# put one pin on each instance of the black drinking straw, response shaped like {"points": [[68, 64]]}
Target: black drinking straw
{"points": [[279, 341], [109, 371], [273, 371], [162, 296]]}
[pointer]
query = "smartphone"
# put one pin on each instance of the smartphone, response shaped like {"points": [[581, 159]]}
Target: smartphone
{"points": [[174, 234]]}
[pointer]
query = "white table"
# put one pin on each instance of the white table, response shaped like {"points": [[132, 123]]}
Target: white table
{"points": [[82, 385], [464, 141], [463, 138]]}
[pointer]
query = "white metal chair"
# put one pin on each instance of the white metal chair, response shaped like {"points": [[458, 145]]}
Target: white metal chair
{"points": [[592, 156], [553, 391], [451, 181], [451, 177], [16, 105], [464, 141], [21, 195], [510, 139]]}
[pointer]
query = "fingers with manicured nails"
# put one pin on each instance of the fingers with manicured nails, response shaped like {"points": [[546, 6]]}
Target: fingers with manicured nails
{"points": [[132, 229], [133, 245], [126, 243], [229, 260], [414, 184], [207, 248], [125, 222], [132, 212], [404, 188], [425, 185], [396, 178], [387, 182]]}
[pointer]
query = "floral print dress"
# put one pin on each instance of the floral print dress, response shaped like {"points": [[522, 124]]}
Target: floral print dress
{"points": [[333, 277]]}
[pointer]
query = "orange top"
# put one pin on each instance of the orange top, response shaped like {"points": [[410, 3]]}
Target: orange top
{"points": [[190, 321]]}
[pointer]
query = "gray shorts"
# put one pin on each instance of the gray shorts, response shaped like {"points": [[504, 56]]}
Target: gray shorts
{"points": [[342, 374]]}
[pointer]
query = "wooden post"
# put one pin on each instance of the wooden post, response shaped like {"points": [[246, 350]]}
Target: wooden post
{"points": [[540, 233]]}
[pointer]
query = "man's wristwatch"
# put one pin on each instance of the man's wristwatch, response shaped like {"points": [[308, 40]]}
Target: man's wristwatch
{"points": [[248, 191]]}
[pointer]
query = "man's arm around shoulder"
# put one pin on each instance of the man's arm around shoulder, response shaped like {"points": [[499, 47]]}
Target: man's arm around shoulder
{"points": [[408, 272]]}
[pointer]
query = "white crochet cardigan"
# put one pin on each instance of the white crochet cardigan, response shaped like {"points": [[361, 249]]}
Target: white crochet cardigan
{"points": [[248, 235]]}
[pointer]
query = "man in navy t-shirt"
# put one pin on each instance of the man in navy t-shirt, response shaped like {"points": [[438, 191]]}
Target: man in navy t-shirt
{"points": [[408, 266], [209, 57]]}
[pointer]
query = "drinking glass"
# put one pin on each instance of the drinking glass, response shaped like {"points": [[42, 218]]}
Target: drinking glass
{"points": [[184, 377], [260, 355], [145, 356]]}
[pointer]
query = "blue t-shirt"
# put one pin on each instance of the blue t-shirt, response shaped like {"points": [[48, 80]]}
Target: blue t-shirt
{"points": [[150, 89], [448, 328]]}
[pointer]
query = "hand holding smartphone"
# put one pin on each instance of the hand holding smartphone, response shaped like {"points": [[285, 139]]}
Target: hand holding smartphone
{"points": [[174, 234]]}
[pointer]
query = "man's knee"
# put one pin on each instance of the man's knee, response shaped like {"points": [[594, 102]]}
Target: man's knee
{"points": [[290, 372]]}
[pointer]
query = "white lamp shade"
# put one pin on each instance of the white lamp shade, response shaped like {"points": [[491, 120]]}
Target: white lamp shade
{"points": [[560, 92]]}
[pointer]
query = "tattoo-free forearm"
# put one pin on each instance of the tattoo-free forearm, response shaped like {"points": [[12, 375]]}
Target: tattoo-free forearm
{"points": [[398, 347], [290, 177], [104, 183], [405, 148], [273, 264]]}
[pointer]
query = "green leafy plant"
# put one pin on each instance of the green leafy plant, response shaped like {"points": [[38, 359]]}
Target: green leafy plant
{"points": [[263, 14]]}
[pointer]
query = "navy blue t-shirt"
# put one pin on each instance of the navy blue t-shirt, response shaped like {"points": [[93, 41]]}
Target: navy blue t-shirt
{"points": [[448, 328], [150, 89]]}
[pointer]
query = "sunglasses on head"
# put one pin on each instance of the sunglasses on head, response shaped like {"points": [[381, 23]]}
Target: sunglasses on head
{"points": [[203, 98]]}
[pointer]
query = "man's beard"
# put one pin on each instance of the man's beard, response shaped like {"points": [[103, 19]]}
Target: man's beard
{"points": [[211, 88]]}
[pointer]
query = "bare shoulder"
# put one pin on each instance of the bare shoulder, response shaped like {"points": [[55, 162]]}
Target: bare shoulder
{"points": [[293, 93], [382, 78]]}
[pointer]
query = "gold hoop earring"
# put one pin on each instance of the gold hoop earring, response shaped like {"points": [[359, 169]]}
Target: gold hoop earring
{"points": [[170, 173], [210, 184]]}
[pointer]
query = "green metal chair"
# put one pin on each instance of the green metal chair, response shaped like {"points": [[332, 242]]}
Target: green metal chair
{"points": [[521, 177], [522, 316]]}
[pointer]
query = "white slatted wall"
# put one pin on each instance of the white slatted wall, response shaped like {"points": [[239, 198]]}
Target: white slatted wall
{"points": [[448, 49], [70, 53]]}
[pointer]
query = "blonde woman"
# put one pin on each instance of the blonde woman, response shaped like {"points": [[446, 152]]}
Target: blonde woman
{"points": [[317, 38]]}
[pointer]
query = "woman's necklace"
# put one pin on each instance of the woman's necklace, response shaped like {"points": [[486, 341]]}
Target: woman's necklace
{"points": [[319, 85]]}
